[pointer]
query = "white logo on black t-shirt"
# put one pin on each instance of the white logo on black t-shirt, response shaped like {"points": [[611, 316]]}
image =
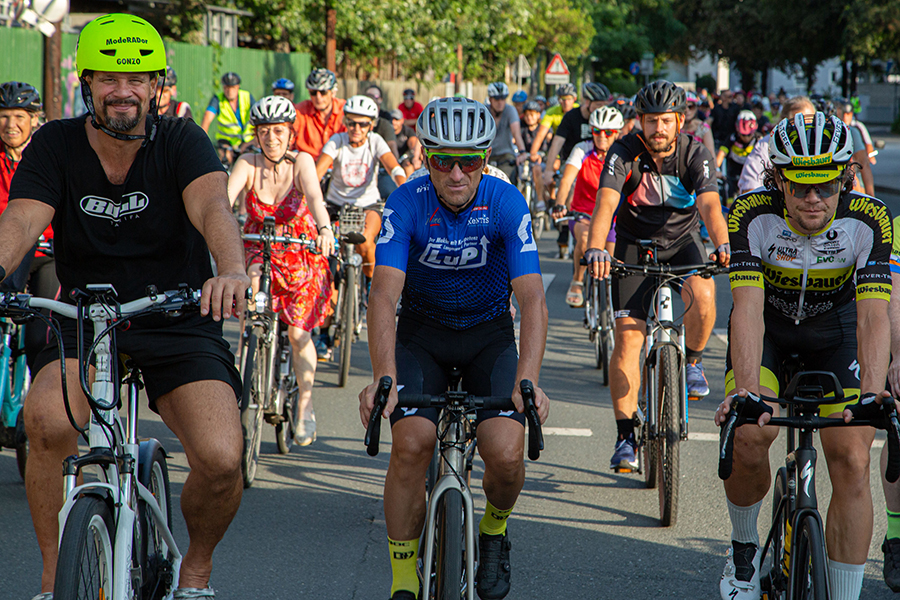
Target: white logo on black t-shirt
{"points": [[108, 209]]}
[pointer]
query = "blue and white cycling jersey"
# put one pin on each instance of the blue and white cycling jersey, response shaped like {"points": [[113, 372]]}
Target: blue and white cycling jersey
{"points": [[458, 266]]}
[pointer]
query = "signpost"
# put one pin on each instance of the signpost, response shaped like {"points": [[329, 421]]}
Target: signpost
{"points": [[647, 66], [557, 71], [521, 70]]}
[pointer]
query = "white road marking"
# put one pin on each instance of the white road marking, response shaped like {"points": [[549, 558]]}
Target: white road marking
{"points": [[714, 437], [548, 279], [721, 335], [568, 431]]}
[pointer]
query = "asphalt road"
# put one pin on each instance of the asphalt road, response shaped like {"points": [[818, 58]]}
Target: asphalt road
{"points": [[312, 525]]}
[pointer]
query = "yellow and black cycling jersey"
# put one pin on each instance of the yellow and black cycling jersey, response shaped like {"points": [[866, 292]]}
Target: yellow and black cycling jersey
{"points": [[808, 275]]}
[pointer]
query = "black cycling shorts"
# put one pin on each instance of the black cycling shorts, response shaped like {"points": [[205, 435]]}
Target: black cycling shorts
{"points": [[632, 295], [426, 351], [823, 343], [170, 354]]}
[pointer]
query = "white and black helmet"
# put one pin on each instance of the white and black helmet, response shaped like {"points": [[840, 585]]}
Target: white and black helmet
{"points": [[456, 123], [362, 106], [322, 80], [498, 90], [607, 117], [824, 143], [272, 109]]}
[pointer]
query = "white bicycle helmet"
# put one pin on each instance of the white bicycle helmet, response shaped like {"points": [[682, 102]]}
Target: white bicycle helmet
{"points": [[362, 106], [498, 90], [802, 148], [456, 123], [272, 109], [607, 117]]}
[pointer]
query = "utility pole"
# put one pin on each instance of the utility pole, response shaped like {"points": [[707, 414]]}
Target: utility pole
{"points": [[330, 42], [459, 69], [52, 78]]}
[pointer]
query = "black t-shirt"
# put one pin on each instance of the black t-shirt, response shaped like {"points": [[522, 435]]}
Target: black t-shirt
{"points": [[131, 235], [528, 136], [659, 205], [723, 121], [384, 126], [575, 128], [403, 139]]}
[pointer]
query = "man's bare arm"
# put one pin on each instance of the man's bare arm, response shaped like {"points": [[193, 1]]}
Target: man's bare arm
{"points": [[21, 224]]}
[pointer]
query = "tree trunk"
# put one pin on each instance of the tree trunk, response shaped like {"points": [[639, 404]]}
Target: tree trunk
{"points": [[330, 41], [52, 78]]}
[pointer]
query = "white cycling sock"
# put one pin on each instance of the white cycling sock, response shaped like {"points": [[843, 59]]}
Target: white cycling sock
{"points": [[743, 522], [845, 581]]}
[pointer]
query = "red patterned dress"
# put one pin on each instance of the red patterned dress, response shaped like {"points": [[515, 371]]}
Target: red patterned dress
{"points": [[301, 281]]}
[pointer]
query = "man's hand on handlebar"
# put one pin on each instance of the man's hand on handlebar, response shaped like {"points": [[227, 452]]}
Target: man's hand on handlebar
{"points": [[868, 400], [599, 261], [541, 401], [325, 241], [535, 158], [754, 408], [520, 158], [367, 401], [559, 211], [722, 255], [224, 295]]}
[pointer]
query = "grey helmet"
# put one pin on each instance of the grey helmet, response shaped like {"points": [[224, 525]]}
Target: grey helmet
{"points": [[594, 91], [566, 89], [231, 78], [660, 96], [322, 80], [15, 94], [498, 90], [456, 123]]}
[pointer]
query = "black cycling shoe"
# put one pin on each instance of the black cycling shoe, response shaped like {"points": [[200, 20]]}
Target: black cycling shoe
{"points": [[492, 577], [403, 595], [891, 549]]}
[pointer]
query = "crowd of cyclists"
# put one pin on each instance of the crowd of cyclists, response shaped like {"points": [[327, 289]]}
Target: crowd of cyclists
{"points": [[778, 189]]}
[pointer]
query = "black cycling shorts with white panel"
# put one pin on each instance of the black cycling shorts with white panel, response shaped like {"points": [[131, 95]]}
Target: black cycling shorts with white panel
{"points": [[427, 351], [171, 353], [632, 295]]}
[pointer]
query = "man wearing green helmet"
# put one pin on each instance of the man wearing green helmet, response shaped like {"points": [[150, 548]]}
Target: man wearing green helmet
{"points": [[135, 200]]}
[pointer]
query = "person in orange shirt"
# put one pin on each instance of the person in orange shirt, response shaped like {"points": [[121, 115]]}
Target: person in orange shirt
{"points": [[321, 116]]}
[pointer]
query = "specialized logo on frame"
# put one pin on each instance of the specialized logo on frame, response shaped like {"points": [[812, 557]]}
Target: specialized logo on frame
{"points": [[116, 212]]}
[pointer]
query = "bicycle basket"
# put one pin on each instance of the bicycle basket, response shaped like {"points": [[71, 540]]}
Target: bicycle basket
{"points": [[352, 219]]}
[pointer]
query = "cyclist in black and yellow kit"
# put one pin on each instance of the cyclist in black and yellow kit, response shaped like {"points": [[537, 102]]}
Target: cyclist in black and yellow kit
{"points": [[809, 275]]}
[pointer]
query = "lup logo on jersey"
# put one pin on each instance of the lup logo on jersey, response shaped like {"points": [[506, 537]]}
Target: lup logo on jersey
{"points": [[439, 254], [108, 209]]}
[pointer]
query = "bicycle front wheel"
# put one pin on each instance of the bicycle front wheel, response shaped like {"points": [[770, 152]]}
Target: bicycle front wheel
{"points": [[606, 337], [155, 561], [290, 396], [649, 454], [21, 444], [449, 550], [773, 579], [348, 311], [84, 567], [669, 433], [808, 563], [252, 403]]}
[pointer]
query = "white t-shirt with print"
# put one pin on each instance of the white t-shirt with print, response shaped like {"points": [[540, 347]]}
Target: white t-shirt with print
{"points": [[354, 177]]}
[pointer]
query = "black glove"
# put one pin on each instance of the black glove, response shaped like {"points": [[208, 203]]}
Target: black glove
{"points": [[754, 408]]}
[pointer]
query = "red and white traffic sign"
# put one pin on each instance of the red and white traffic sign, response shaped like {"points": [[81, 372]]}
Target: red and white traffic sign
{"points": [[557, 71]]}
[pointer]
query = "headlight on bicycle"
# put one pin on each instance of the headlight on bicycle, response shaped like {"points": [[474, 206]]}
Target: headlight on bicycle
{"points": [[356, 260], [262, 300]]}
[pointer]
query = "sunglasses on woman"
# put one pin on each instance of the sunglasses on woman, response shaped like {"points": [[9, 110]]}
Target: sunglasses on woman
{"points": [[358, 124], [605, 132], [444, 163]]}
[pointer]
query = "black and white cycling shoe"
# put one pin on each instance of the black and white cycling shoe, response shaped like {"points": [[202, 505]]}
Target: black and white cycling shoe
{"points": [[740, 580]]}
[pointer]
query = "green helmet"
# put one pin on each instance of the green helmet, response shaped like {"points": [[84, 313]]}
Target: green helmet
{"points": [[120, 43]]}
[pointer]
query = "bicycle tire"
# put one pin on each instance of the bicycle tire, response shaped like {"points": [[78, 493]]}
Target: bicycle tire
{"points": [[433, 472], [351, 296], [808, 564], [285, 430], [649, 455], [668, 471], [773, 581], [86, 555], [449, 554], [22, 446], [252, 402], [156, 567], [605, 337]]}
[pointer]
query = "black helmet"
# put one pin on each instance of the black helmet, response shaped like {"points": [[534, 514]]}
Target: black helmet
{"points": [[594, 91], [660, 96], [322, 80], [171, 77], [231, 78], [627, 110], [15, 94], [565, 89]]}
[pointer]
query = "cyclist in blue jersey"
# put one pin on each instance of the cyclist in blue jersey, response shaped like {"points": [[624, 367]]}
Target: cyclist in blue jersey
{"points": [[453, 244]]}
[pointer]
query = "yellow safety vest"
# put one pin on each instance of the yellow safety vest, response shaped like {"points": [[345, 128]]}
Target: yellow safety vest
{"points": [[229, 127]]}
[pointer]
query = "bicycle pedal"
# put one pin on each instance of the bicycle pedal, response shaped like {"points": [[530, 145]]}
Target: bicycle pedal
{"points": [[695, 398], [624, 470]]}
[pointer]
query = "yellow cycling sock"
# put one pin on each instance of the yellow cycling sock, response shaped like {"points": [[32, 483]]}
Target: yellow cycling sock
{"points": [[494, 520], [403, 565], [893, 525]]}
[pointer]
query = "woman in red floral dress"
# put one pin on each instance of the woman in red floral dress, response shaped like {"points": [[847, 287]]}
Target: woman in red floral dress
{"points": [[283, 184]]}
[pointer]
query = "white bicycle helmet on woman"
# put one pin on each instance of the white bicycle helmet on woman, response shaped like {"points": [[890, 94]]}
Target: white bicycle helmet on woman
{"points": [[272, 109], [456, 123], [362, 106], [607, 117]]}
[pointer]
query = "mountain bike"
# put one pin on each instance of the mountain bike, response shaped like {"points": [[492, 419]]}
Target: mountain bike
{"points": [[270, 392], [661, 421], [448, 567], [540, 220], [799, 559], [116, 537], [347, 322], [14, 380]]}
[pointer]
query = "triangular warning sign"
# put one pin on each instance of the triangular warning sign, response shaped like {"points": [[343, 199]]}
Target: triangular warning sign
{"points": [[557, 66]]}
